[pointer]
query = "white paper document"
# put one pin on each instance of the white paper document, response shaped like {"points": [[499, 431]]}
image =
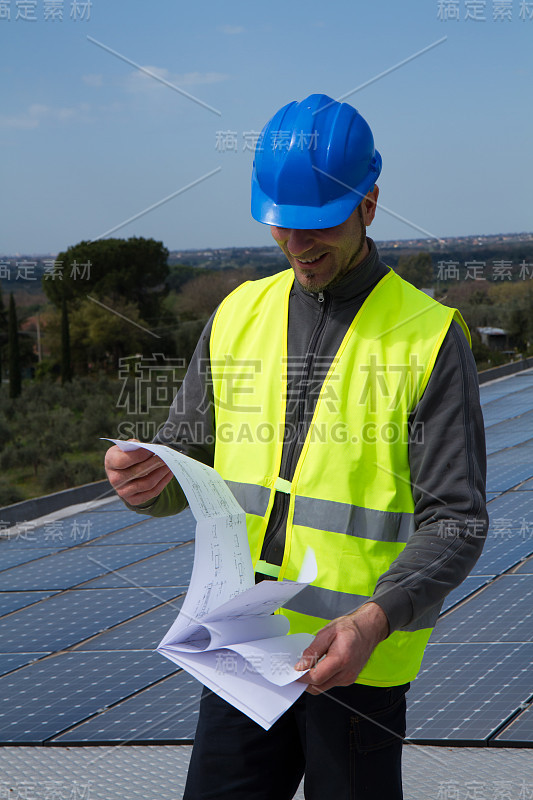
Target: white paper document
{"points": [[226, 634]]}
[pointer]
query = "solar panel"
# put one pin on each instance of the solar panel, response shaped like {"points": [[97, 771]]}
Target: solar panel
{"points": [[509, 467], [525, 569], [171, 568], [69, 617], [166, 712], [70, 567], [509, 433], [512, 505], [465, 691], [174, 529], [503, 549], [468, 586], [45, 698], [12, 661], [525, 487], [502, 612], [501, 388], [12, 601], [12, 558], [140, 633], [113, 505], [61, 533], [518, 732], [509, 406]]}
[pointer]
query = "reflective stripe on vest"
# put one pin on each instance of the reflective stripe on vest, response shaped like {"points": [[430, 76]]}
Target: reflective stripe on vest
{"points": [[384, 526], [350, 498]]}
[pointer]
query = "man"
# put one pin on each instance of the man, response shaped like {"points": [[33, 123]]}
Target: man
{"points": [[341, 406]]}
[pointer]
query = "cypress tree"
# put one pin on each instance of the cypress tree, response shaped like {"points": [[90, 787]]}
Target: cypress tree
{"points": [[15, 378], [66, 367], [3, 331]]}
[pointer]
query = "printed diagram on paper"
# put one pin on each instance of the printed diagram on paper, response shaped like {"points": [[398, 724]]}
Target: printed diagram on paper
{"points": [[226, 634]]}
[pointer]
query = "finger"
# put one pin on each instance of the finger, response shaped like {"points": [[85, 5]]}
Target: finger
{"points": [[318, 648], [132, 486], [330, 666], [144, 497], [147, 467], [129, 481], [338, 679], [115, 458]]}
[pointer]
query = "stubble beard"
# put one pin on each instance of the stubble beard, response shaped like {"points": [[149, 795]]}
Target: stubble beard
{"points": [[317, 286]]}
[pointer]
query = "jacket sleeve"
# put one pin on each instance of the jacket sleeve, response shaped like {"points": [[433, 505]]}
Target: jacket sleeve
{"points": [[448, 469], [190, 427]]}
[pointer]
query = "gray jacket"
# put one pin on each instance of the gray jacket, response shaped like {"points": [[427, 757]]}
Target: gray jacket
{"points": [[446, 445]]}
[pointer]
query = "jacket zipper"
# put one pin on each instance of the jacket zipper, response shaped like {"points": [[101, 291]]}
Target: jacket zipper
{"points": [[283, 502]]}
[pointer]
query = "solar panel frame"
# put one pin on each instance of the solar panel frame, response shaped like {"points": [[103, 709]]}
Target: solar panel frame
{"points": [[507, 406], [516, 504], [47, 697], [13, 601], [501, 553], [143, 632], [170, 568], [470, 585], [508, 433], [67, 618], [465, 692], [174, 529], [15, 558], [165, 713], [502, 612], [510, 384], [527, 486], [67, 531], [524, 569], [12, 661], [69, 568], [519, 731], [509, 467]]}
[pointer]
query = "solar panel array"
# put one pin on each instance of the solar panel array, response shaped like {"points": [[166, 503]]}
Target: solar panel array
{"points": [[84, 601], [476, 683]]}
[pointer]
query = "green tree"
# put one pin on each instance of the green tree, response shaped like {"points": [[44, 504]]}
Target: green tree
{"points": [[15, 377], [417, 269], [66, 367], [200, 296], [135, 269], [518, 319], [3, 329]]}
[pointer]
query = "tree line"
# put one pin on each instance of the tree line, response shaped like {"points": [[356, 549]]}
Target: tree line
{"points": [[116, 328]]}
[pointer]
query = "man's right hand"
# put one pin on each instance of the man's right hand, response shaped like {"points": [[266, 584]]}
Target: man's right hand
{"points": [[137, 476]]}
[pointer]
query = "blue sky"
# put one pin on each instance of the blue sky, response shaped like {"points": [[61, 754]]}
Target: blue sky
{"points": [[89, 141]]}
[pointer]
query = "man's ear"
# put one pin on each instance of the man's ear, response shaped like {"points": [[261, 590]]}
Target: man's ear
{"points": [[368, 206]]}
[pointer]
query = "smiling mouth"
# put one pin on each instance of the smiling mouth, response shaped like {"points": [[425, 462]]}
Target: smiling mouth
{"points": [[310, 263]]}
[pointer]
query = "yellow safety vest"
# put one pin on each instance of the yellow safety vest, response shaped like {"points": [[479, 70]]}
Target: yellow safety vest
{"points": [[350, 497]]}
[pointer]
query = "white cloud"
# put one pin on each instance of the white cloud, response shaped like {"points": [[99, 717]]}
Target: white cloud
{"points": [[93, 79], [37, 113], [231, 30], [158, 77], [22, 121]]}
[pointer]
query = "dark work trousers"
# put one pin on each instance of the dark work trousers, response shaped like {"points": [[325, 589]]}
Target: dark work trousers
{"points": [[347, 741]]}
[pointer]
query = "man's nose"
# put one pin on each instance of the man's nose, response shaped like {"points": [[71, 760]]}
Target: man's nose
{"points": [[299, 241]]}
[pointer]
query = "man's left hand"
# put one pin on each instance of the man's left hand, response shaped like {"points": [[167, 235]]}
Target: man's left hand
{"points": [[346, 644]]}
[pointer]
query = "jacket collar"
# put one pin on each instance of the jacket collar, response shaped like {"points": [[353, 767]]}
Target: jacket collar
{"points": [[355, 283]]}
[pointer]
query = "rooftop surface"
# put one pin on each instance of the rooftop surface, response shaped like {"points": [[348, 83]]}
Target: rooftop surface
{"points": [[88, 592]]}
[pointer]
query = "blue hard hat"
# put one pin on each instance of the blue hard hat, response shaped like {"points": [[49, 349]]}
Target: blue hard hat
{"points": [[314, 162]]}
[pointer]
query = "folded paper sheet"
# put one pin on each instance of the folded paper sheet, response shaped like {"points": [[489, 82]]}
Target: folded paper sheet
{"points": [[226, 635]]}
